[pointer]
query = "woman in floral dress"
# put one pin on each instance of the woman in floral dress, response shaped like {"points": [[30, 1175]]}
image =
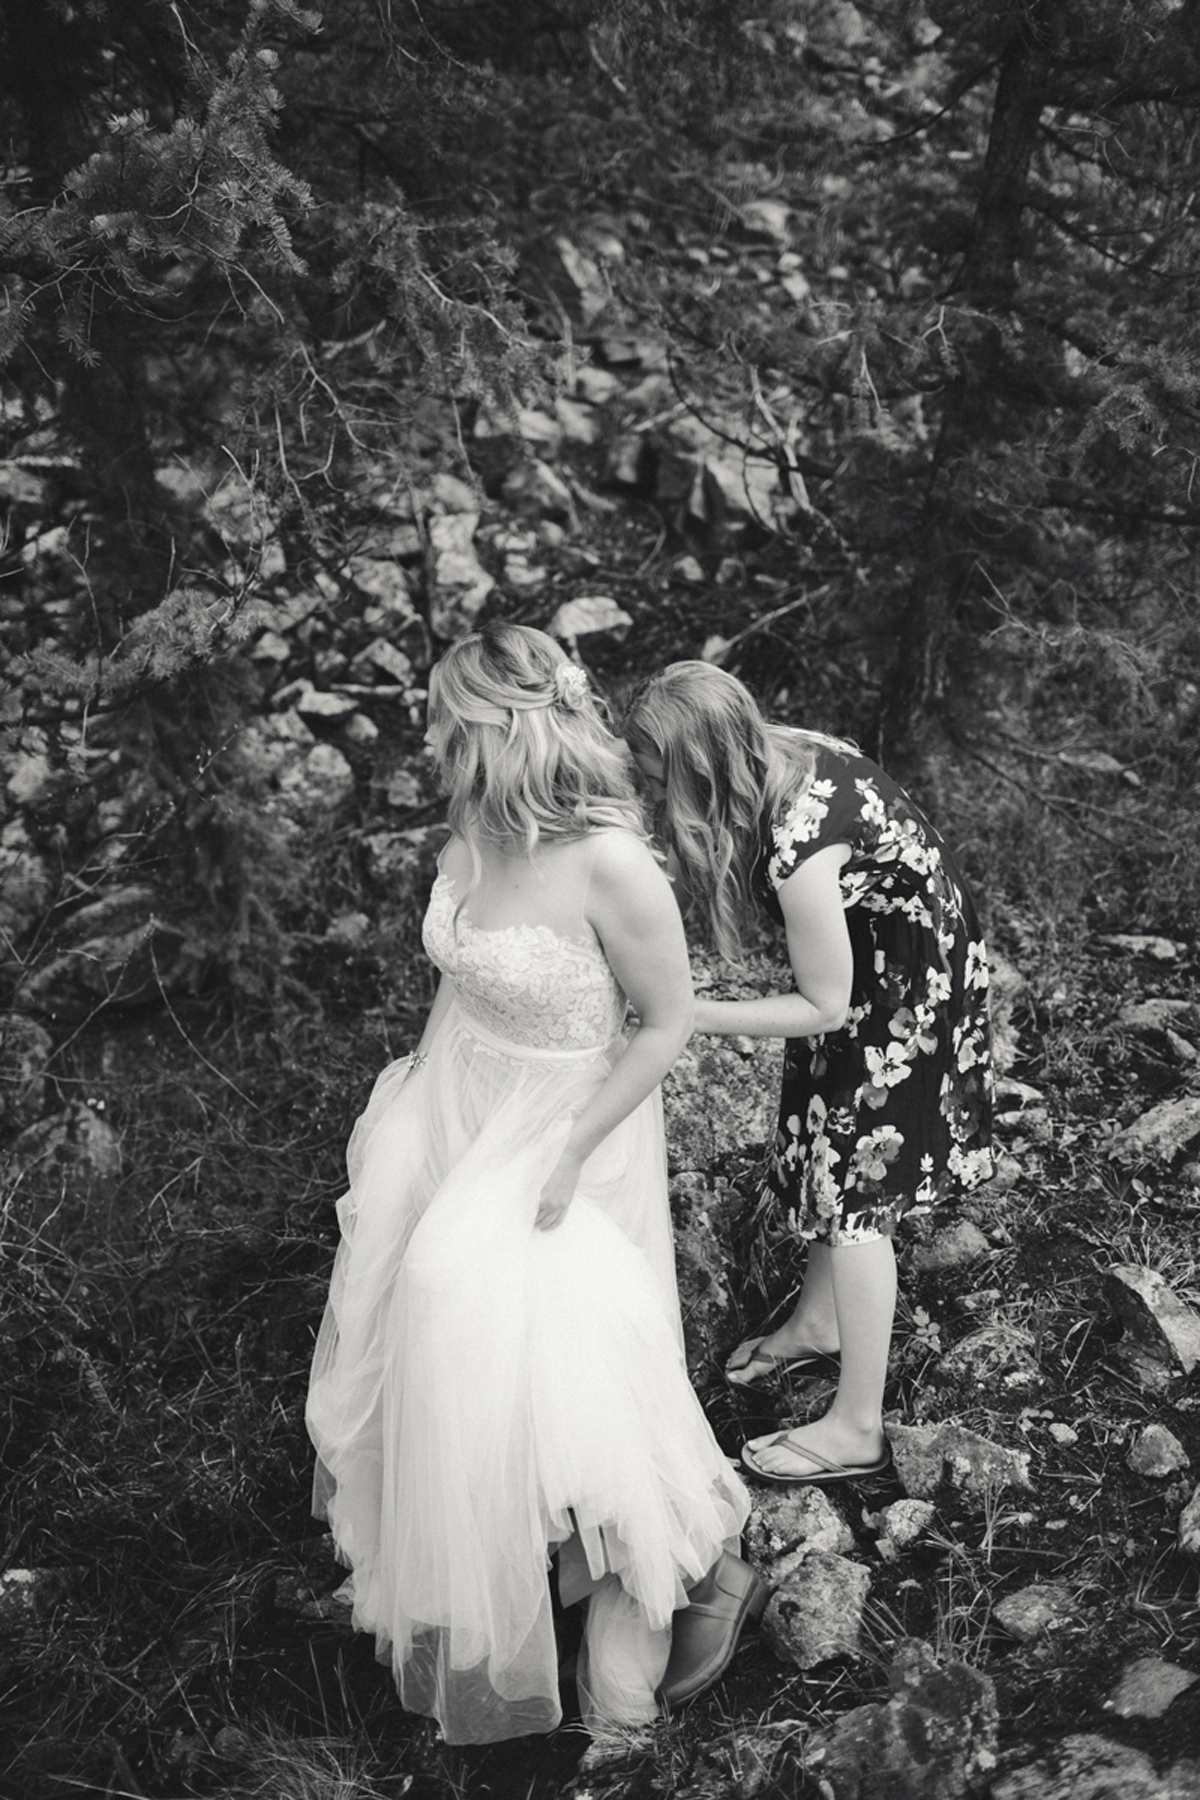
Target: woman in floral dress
{"points": [[886, 1102]]}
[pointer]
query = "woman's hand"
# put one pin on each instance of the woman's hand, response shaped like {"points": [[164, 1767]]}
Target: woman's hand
{"points": [[559, 1191]]}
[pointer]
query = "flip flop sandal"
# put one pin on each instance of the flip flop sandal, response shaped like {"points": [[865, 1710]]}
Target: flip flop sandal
{"points": [[825, 1471], [774, 1365]]}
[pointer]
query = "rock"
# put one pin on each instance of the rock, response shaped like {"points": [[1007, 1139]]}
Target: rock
{"points": [[318, 784], [315, 703], [534, 487], [453, 495], [1160, 1134], [721, 1096], [1154, 1315], [630, 462], [817, 1613], [383, 581], [596, 385], [590, 614], [767, 218], [34, 778], [1035, 1611], [904, 1521], [935, 1739], [1158, 949], [459, 583], [1085, 1766], [381, 658], [1159, 1014], [1157, 1452], [1006, 988], [927, 1455], [788, 1523], [539, 430], [75, 1142], [520, 573], [1147, 1688], [1189, 1526], [25, 1593], [402, 861], [271, 648], [26, 885], [349, 930], [18, 487], [577, 421], [25, 1051], [954, 1248]]}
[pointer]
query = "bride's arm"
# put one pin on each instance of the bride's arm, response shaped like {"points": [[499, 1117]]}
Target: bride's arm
{"points": [[634, 914]]}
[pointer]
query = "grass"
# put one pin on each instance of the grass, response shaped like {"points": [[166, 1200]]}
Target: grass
{"points": [[157, 1327]]}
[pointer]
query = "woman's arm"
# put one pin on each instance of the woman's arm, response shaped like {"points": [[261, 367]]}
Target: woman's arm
{"points": [[820, 954], [633, 912]]}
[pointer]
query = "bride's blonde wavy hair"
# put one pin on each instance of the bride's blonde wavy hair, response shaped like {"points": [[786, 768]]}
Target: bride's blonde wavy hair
{"points": [[522, 750], [728, 774]]}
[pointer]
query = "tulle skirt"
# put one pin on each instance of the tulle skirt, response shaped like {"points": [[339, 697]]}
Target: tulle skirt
{"points": [[483, 1392]]}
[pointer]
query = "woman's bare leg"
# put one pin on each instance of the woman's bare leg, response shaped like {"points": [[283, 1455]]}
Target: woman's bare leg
{"points": [[862, 1278]]}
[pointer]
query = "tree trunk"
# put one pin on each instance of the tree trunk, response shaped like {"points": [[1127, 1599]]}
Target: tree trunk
{"points": [[988, 285]]}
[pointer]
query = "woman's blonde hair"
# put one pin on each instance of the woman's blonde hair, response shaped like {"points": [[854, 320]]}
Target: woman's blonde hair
{"points": [[727, 775], [523, 753]]}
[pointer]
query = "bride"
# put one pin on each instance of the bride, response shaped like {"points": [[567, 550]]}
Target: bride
{"points": [[499, 1374]]}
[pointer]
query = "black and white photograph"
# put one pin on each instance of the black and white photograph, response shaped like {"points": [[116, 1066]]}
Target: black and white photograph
{"points": [[600, 900]]}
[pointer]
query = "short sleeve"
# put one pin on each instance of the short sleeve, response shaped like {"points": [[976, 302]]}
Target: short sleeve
{"points": [[829, 811]]}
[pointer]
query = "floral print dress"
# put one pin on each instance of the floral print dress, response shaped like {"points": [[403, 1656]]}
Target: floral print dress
{"points": [[892, 1113]]}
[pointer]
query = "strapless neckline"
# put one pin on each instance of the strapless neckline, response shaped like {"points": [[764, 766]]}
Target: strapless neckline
{"points": [[521, 928]]}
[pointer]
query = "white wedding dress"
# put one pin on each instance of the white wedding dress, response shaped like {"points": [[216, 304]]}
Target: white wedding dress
{"points": [[482, 1391]]}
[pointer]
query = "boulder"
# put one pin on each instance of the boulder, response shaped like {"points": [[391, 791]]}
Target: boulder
{"points": [[1007, 987], [1085, 1766], [935, 1739], [1160, 1013], [788, 1523], [1153, 1315], [533, 487], [319, 783], [382, 580], [956, 1247], [904, 1521], [1136, 943], [927, 1455], [1160, 1134], [1147, 1688], [1157, 1452], [459, 584], [25, 1051], [75, 1144], [26, 883], [817, 1613], [1036, 1611], [587, 616], [1189, 1526]]}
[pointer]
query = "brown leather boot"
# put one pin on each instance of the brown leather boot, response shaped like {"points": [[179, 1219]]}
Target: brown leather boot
{"points": [[705, 1633]]}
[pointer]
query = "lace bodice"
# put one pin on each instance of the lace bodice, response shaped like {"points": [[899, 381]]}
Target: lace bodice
{"points": [[526, 983]]}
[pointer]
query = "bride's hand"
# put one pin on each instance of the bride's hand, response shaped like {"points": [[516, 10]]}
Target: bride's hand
{"points": [[558, 1192]]}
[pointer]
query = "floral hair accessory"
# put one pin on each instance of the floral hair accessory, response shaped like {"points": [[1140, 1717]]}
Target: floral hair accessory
{"points": [[570, 685]]}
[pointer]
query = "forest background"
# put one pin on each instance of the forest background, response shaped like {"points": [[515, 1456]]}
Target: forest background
{"points": [[852, 346]]}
